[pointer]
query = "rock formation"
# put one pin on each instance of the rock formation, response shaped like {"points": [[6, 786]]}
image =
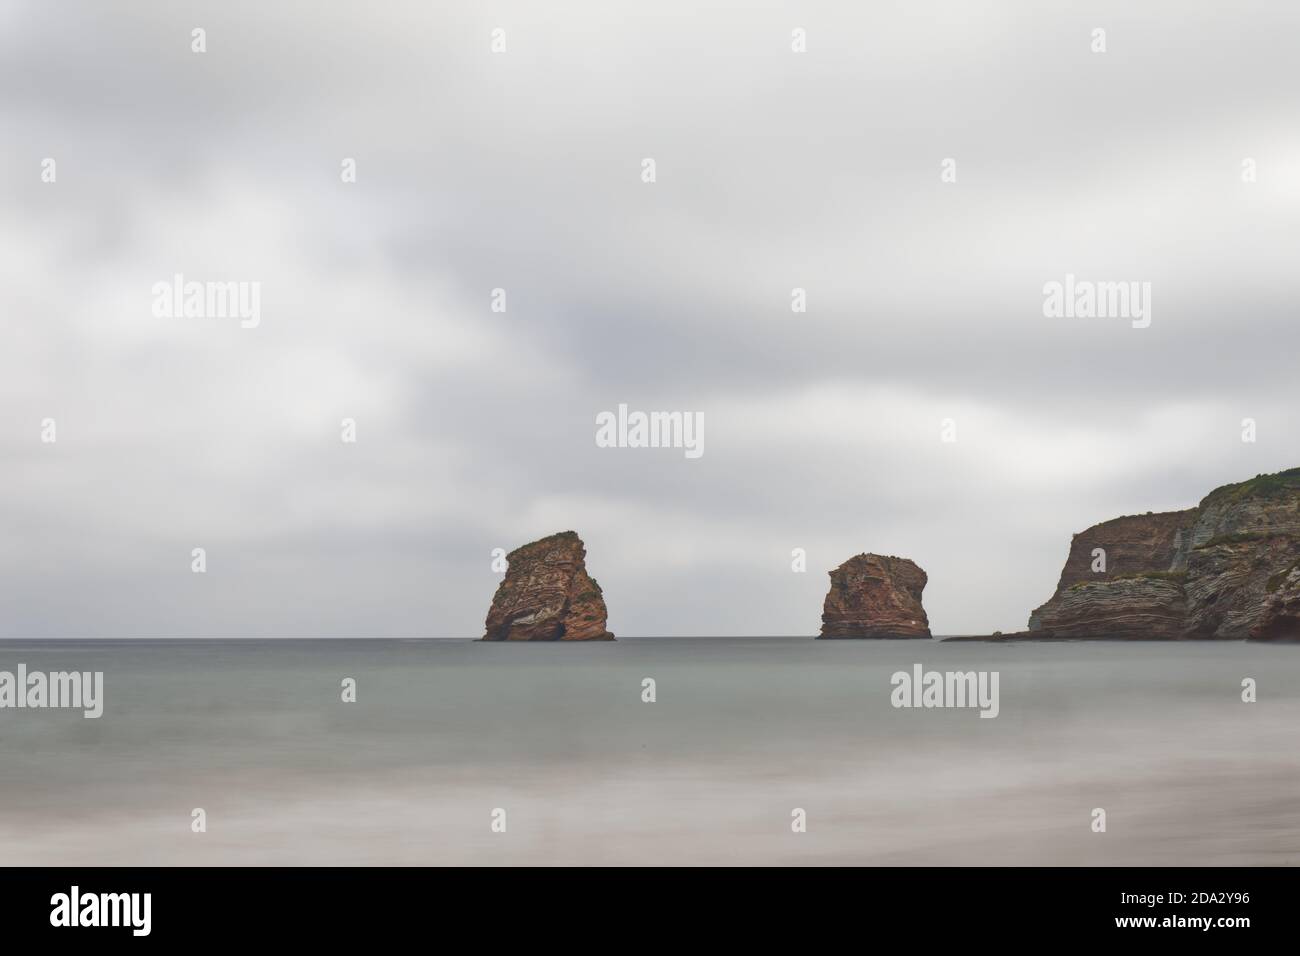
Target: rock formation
{"points": [[547, 595], [1138, 593], [1280, 619], [1227, 569], [875, 596]]}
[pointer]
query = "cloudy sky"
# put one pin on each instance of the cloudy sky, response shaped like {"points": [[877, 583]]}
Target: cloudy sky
{"points": [[522, 170]]}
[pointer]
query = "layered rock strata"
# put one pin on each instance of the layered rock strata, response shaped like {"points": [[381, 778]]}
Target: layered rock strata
{"points": [[547, 595], [875, 596], [1226, 569]]}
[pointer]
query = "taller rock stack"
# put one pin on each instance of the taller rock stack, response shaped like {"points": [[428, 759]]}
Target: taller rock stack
{"points": [[875, 596], [547, 595]]}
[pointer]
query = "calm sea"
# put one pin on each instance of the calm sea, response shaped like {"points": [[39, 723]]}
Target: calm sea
{"points": [[742, 733]]}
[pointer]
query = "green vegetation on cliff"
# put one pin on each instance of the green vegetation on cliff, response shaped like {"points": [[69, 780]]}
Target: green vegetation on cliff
{"points": [[1235, 537], [1278, 485]]}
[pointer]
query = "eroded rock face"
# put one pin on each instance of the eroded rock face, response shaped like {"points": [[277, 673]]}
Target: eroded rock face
{"points": [[1136, 543], [1228, 584], [1136, 593], [547, 595], [875, 596], [1223, 570], [1280, 618], [1147, 609]]}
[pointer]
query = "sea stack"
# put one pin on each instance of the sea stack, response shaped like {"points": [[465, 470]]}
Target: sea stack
{"points": [[547, 595], [1228, 569], [875, 596]]}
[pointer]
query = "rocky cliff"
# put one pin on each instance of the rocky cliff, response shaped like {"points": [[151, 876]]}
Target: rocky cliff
{"points": [[1226, 569], [1121, 579], [873, 595], [547, 595]]}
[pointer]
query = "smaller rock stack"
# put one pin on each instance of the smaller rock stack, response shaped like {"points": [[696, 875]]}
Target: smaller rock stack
{"points": [[875, 596]]}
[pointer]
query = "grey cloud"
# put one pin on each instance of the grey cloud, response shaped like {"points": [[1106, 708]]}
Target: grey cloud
{"points": [[521, 171]]}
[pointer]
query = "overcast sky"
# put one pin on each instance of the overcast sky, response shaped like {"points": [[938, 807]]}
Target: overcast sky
{"points": [[522, 170]]}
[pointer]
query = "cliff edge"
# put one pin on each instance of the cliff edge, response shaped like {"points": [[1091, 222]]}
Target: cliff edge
{"points": [[1228, 569]]}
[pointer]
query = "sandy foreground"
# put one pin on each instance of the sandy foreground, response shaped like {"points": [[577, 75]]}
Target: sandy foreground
{"points": [[1215, 811]]}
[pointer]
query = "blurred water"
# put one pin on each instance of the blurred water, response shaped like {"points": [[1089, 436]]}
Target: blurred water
{"points": [[742, 732]]}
